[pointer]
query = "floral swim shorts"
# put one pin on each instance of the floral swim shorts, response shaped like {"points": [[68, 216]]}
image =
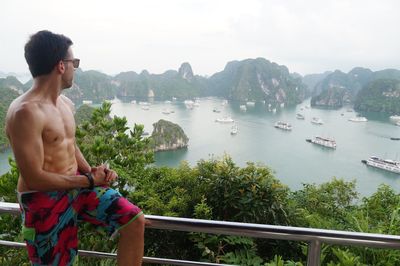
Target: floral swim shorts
{"points": [[50, 220]]}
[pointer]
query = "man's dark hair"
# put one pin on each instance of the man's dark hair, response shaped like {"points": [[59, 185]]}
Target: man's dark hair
{"points": [[44, 50]]}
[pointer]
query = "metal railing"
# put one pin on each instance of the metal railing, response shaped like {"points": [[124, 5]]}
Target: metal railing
{"points": [[314, 237]]}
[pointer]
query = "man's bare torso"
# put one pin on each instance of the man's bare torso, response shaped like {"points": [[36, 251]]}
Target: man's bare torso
{"points": [[58, 133]]}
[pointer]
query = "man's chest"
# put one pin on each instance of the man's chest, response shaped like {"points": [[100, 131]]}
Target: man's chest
{"points": [[59, 126]]}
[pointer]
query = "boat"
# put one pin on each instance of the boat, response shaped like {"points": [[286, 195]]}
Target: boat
{"points": [[394, 138], [234, 130], [326, 142], [300, 116], [395, 118], [87, 102], [384, 164], [283, 125], [358, 119], [144, 103], [167, 102], [225, 120], [189, 104], [250, 103], [243, 108], [317, 121], [167, 111]]}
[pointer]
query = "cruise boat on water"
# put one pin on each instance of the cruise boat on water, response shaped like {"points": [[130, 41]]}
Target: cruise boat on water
{"points": [[167, 111], [326, 142], [300, 116], [243, 108], [225, 120], [250, 103], [358, 119], [283, 125], [395, 118], [317, 121], [234, 130], [384, 164]]}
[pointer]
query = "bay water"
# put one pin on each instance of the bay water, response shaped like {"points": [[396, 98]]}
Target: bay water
{"points": [[293, 160]]}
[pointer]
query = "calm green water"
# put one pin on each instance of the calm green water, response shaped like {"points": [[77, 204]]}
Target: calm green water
{"points": [[293, 160]]}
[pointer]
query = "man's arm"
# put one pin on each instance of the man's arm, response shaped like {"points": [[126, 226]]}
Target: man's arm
{"points": [[25, 131], [83, 165]]}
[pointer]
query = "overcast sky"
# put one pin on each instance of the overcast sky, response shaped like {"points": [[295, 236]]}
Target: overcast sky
{"points": [[115, 36]]}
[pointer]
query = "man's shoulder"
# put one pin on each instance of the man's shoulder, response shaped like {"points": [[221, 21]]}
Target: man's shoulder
{"points": [[67, 101], [21, 107]]}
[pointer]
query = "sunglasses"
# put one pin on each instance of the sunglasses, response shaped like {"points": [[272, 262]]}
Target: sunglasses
{"points": [[75, 62]]}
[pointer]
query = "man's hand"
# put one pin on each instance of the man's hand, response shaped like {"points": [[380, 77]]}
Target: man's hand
{"points": [[99, 175], [111, 175]]}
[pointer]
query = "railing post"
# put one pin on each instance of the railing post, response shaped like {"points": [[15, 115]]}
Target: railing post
{"points": [[314, 253]]}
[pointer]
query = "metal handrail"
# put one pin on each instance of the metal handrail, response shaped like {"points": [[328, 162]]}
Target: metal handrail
{"points": [[315, 237]]}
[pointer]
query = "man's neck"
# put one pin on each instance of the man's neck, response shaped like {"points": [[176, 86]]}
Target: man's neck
{"points": [[48, 86]]}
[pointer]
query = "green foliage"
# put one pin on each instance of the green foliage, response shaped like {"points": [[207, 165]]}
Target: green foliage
{"points": [[104, 139], [249, 194], [84, 113], [326, 205]]}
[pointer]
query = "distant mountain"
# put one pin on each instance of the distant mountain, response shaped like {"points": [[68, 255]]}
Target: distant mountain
{"points": [[7, 95], [22, 77], [182, 84], [257, 80], [381, 95], [339, 88], [12, 83], [312, 79], [91, 85]]}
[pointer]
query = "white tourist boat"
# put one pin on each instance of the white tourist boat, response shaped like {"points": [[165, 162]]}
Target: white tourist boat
{"points": [[243, 108], [87, 102], [385, 164], [167, 111], [234, 129], [250, 103], [189, 104], [283, 125], [326, 142], [358, 119], [395, 118], [317, 121], [300, 116], [225, 120]]}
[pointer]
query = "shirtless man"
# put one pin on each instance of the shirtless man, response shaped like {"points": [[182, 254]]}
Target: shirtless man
{"points": [[57, 187]]}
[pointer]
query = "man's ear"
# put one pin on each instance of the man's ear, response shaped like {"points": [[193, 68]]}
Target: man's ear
{"points": [[60, 67]]}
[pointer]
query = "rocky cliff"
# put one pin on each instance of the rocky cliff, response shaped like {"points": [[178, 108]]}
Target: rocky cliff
{"points": [[168, 136]]}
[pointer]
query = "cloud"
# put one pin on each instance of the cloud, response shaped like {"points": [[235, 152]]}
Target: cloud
{"points": [[307, 36]]}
